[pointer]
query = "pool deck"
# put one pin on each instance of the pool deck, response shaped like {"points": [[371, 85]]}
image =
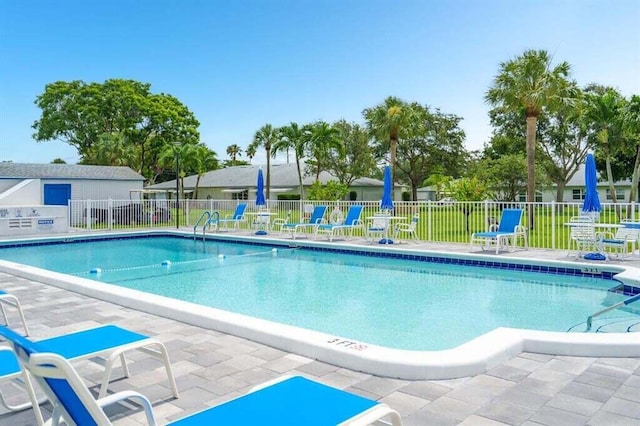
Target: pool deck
{"points": [[212, 367]]}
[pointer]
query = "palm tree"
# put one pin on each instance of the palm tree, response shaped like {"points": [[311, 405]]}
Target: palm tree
{"points": [[603, 114], [206, 160], [323, 139], [113, 149], [187, 155], [631, 128], [265, 137], [292, 137], [234, 151], [528, 84], [251, 152], [385, 122]]}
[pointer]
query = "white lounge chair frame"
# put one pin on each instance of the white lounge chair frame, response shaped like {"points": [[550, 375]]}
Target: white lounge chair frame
{"points": [[11, 300], [110, 356]]}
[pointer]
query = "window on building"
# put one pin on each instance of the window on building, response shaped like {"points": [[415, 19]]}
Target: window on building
{"points": [[619, 194], [522, 198], [242, 195], [577, 194]]}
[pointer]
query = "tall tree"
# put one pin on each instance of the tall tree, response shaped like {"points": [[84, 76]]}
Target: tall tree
{"points": [[432, 140], [385, 122], [324, 139], [265, 137], [206, 160], [631, 129], [358, 159], [233, 151], [78, 113], [603, 113], [181, 157], [251, 152], [564, 142], [529, 83], [292, 137]]}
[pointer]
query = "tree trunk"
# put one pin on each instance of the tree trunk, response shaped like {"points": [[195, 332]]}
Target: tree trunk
{"points": [[612, 188], [195, 192], [531, 171], [560, 191], [635, 176], [393, 148], [300, 178], [268, 171]]}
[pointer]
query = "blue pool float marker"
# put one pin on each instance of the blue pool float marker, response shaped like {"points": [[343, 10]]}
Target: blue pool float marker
{"points": [[166, 263], [96, 271]]}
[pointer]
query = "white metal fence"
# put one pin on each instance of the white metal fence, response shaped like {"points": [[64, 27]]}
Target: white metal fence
{"points": [[448, 222]]}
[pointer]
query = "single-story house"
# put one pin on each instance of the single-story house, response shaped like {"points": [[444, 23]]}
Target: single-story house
{"points": [[55, 184], [574, 191], [239, 182]]}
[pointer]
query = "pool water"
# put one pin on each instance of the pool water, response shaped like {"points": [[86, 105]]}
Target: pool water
{"points": [[390, 302]]}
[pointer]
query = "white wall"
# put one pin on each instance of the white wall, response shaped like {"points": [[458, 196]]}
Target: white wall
{"points": [[22, 192], [97, 189]]}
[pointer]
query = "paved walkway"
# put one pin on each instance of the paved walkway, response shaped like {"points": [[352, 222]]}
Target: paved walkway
{"points": [[212, 367]]}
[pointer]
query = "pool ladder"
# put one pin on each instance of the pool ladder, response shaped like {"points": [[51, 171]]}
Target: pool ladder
{"points": [[625, 302], [211, 220]]}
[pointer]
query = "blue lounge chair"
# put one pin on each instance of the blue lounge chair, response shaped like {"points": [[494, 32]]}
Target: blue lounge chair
{"points": [[234, 219], [109, 342], [507, 231], [315, 220], [11, 300], [291, 401], [351, 222]]}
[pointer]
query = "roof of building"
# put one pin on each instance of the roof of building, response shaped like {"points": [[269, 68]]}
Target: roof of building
{"points": [[242, 177], [66, 171]]}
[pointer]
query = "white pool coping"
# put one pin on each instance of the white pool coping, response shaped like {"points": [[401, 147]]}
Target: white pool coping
{"points": [[468, 359]]}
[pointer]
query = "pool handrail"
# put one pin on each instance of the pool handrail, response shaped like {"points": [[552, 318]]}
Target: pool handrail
{"points": [[208, 221], [625, 302]]}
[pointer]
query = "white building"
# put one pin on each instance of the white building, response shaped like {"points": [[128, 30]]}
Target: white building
{"points": [[55, 184], [238, 183]]}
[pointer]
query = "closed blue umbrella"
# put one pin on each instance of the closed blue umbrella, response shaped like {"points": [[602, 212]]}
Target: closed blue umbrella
{"points": [[387, 197], [260, 201], [591, 201]]}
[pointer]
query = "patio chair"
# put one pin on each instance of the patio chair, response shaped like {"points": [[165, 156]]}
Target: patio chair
{"points": [[624, 241], [278, 223], [507, 231], [409, 229], [234, 219], [262, 220], [582, 235], [351, 222], [289, 401], [11, 300], [109, 342], [306, 227], [378, 227]]}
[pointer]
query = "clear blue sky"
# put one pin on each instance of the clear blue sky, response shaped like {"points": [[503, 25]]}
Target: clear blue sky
{"points": [[239, 64]]}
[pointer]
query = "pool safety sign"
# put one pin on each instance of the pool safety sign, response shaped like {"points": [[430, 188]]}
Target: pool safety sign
{"points": [[45, 224]]}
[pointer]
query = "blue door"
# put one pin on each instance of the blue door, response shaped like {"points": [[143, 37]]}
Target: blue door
{"points": [[57, 194]]}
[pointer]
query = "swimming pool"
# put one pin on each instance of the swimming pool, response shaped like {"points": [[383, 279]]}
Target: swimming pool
{"points": [[356, 303]]}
